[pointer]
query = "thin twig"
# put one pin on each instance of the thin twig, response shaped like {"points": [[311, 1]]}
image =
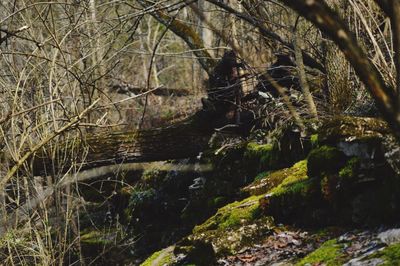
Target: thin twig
{"points": [[27, 155]]}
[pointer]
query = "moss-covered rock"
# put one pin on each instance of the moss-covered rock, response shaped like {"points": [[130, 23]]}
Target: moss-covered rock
{"points": [[325, 159], [300, 203], [390, 255], [231, 215], [291, 180], [350, 170], [297, 198], [271, 181], [232, 239], [314, 140], [100, 246], [329, 253], [349, 192], [344, 127], [233, 226], [260, 156], [163, 257], [194, 252], [290, 176]]}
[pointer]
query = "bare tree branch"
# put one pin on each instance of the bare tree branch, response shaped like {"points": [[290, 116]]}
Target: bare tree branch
{"points": [[187, 33], [334, 27], [34, 149], [308, 60]]}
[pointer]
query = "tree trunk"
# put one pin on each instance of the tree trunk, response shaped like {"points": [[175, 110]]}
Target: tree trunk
{"points": [[183, 140]]}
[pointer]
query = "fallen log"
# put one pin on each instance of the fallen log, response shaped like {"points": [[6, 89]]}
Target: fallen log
{"points": [[183, 140]]}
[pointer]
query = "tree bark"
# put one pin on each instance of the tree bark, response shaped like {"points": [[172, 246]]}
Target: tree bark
{"points": [[183, 140]]}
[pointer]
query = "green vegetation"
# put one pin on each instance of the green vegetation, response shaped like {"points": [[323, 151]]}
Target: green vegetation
{"points": [[231, 215], [325, 159], [314, 140], [300, 188], [277, 180], [160, 258], [327, 254], [390, 255], [293, 178], [259, 155], [350, 169], [254, 149]]}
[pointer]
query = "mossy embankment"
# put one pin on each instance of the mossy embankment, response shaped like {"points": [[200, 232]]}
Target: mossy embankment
{"points": [[255, 190]]}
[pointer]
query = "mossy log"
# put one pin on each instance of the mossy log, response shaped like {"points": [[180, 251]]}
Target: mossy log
{"points": [[183, 140]]}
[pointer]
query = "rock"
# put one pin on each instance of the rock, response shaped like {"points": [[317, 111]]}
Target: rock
{"points": [[352, 129], [359, 262], [163, 257], [365, 138], [324, 160], [391, 149], [276, 178], [260, 157], [195, 252], [327, 254], [233, 226], [390, 254], [391, 236]]}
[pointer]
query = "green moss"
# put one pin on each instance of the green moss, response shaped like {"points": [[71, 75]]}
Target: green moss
{"points": [[160, 258], [277, 180], [390, 255], [259, 155], [195, 252], [360, 128], [295, 199], [314, 140], [325, 159], [257, 150], [333, 185], [231, 215], [349, 171], [294, 178], [301, 188], [327, 254]]}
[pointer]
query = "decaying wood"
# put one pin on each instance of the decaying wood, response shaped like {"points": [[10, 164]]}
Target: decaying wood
{"points": [[182, 140]]}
